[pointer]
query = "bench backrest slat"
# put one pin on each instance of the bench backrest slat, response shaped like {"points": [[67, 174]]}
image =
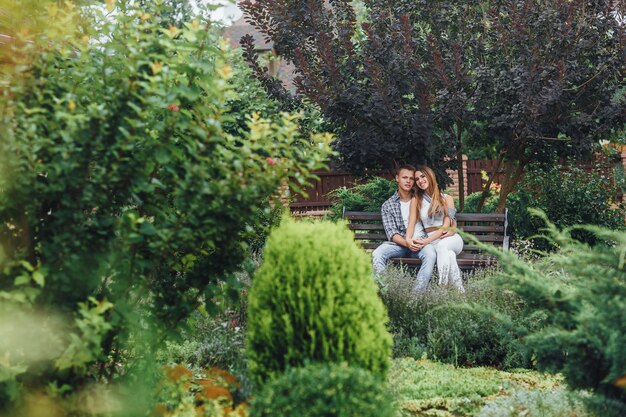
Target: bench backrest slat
{"points": [[370, 236], [362, 215], [461, 217], [486, 227]]}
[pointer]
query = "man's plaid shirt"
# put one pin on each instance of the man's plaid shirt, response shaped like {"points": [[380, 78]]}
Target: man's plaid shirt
{"points": [[392, 217]]}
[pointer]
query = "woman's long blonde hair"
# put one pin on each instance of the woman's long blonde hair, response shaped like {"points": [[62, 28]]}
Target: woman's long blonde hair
{"points": [[438, 204]]}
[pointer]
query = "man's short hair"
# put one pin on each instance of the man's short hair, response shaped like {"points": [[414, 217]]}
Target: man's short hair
{"points": [[407, 167]]}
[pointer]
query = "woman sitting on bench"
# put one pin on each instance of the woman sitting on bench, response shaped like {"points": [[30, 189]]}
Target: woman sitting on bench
{"points": [[437, 213]]}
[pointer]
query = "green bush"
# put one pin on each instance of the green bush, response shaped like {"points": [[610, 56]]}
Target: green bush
{"points": [[485, 326], [314, 299], [123, 185], [553, 403], [324, 390], [216, 343], [121, 176], [581, 291], [368, 196], [568, 195], [471, 202], [471, 335], [269, 218]]}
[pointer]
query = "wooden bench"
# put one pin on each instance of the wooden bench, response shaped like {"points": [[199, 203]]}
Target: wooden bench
{"points": [[487, 228]]}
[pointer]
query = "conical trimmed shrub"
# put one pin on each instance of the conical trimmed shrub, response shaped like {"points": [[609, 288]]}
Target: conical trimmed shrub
{"points": [[314, 300]]}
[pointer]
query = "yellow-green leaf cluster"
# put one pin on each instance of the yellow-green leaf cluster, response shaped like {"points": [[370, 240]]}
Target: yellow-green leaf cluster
{"points": [[314, 300]]}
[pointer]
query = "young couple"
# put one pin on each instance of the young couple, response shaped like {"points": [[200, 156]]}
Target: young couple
{"points": [[416, 221]]}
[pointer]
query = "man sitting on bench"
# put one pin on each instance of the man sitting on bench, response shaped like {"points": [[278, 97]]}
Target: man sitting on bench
{"points": [[395, 216]]}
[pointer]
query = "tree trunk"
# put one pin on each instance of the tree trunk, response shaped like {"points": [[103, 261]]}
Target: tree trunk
{"points": [[493, 174], [513, 173], [461, 174]]}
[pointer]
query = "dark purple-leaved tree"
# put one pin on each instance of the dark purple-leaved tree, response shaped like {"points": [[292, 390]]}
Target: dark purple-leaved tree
{"points": [[549, 80], [528, 78], [373, 80]]}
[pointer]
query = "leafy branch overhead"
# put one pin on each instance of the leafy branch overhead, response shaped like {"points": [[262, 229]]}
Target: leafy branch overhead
{"points": [[550, 79]]}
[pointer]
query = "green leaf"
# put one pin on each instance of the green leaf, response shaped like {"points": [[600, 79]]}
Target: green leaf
{"points": [[21, 280], [162, 156], [147, 229], [190, 36], [38, 277], [27, 266]]}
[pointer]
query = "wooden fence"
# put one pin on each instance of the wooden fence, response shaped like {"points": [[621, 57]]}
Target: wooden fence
{"points": [[474, 175], [318, 194]]}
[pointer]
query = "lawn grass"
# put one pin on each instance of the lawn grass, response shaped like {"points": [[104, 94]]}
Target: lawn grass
{"points": [[426, 388]]}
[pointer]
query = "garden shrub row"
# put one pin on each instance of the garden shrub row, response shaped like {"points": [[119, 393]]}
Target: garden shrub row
{"points": [[483, 327]]}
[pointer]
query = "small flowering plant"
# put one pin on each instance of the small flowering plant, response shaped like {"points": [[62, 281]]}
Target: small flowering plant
{"points": [[207, 393]]}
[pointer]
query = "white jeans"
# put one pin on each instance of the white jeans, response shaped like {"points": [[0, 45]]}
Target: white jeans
{"points": [[447, 268]]}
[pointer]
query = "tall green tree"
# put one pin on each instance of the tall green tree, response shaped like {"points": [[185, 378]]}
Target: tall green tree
{"points": [[123, 199]]}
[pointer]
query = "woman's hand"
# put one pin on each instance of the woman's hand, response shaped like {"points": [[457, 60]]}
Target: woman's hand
{"points": [[421, 242], [447, 233]]}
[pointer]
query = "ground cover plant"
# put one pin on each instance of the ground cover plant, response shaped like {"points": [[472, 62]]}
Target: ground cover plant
{"points": [[426, 388], [558, 402]]}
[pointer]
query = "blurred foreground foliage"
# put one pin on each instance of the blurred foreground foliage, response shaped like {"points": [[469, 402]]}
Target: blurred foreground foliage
{"points": [[124, 201]]}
